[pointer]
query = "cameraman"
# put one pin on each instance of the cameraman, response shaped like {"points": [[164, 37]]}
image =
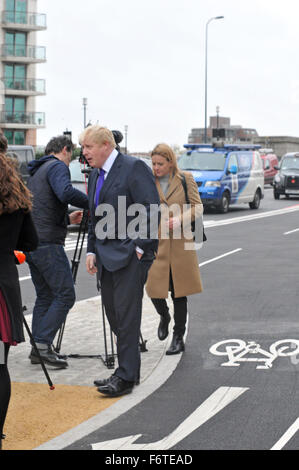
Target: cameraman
{"points": [[51, 274]]}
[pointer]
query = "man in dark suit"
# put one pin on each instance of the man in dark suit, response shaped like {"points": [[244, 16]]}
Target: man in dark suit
{"points": [[121, 247]]}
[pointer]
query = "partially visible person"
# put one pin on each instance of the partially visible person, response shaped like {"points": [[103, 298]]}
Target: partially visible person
{"points": [[51, 274], [175, 268], [17, 232]]}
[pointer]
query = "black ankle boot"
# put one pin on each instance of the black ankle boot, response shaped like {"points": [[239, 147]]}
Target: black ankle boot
{"points": [[2, 436], [163, 326], [177, 345]]}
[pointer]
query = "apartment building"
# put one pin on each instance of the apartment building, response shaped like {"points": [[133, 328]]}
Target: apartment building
{"points": [[19, 85]]}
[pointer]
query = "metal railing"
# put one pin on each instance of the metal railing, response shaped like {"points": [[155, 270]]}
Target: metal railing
{"points": [[27, 52], [32, 118], [37, 20], [30, 84]]}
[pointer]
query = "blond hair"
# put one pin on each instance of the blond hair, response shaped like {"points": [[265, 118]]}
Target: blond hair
{"points": [[163, 150], [97, 134]]}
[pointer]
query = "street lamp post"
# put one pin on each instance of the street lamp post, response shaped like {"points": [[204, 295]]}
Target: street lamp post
{"points": [[84, 107], [126, 138], [206, 73]]}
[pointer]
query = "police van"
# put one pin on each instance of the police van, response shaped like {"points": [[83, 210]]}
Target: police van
{"points": [[24, 154], [225, 174]]}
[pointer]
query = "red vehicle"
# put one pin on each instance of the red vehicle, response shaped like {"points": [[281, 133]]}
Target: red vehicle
{"points": [[270, 160]]}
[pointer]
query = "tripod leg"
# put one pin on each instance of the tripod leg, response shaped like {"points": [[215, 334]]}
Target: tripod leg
{"points": [[75, 266], [38, 354]]}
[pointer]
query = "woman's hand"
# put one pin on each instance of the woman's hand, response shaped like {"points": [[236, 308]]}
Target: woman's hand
{"points": [[174, 222]]}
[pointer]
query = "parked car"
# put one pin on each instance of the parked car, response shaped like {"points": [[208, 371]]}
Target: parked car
{"points": [[225, 175], [286, 181], [270, 161], [24, 154]]}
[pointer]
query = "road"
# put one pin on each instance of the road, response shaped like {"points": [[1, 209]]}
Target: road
{"points": [[247, 397]]}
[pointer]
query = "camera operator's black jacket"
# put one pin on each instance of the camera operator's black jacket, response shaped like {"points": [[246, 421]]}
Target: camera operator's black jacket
{"points": [[52, 191]]}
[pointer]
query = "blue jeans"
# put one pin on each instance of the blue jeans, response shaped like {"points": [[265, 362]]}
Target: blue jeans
{"points": [[55, 292]]}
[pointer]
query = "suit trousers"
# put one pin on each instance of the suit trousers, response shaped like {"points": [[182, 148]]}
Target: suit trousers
{"points": [[122, 293]]}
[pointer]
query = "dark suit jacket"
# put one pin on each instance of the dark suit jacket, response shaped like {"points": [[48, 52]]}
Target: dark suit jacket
{"points": [[17, 232], [110, 236]]}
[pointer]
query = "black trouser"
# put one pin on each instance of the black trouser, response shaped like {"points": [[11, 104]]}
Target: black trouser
{"points": [[122, 293], [179, 307], [5, 390]]}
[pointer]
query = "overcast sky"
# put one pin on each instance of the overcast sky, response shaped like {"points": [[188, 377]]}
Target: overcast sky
{"points": [[141, 63]]}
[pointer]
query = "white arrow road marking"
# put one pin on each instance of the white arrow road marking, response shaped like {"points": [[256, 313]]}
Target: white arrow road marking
{"points": [[222, 397], [287, 436]]}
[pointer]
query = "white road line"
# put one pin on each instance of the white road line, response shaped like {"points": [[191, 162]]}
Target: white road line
{"points": [[247, 218], [201, 264], [221, 256], [287, 436], [291, 231], [24, 278]]}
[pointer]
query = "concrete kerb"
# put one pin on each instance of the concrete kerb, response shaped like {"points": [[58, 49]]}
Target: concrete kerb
{"points": [[84, 336]]}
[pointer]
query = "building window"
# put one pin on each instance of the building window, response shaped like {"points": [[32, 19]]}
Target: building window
{"points": [[14, 109], [16, 11], [15, 137], [15, 44], [15, 76]]}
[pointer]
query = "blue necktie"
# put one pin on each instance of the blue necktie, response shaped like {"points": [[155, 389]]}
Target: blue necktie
{"points": [[100, 183]]}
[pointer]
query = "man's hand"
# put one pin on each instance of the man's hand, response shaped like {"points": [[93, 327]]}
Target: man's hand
{"points": [[139, 255], [76, 217], [91, 264]]}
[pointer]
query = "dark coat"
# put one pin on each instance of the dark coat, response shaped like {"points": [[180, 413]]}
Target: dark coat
{"points": [[17, 232], [131, 180], [50, 184]]}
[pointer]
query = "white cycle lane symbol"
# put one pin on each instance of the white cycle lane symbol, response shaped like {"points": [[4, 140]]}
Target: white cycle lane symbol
{"points": [[239, 351]]}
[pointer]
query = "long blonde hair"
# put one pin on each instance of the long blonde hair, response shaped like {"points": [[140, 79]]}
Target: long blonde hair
{"points": [[14, 194], [165, 151]]}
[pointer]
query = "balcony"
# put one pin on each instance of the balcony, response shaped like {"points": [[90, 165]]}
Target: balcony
{"points": [[20, 120], [24, 87], [24, 21], [23, 54]]}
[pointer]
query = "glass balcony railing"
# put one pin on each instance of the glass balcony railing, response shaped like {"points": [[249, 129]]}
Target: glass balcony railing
{"points": [[31, 84], [32, 118], [37, 53], [36, 20]]}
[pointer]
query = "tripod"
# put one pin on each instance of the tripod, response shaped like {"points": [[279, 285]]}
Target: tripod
{"points": [[37, 352], [109, 359]]}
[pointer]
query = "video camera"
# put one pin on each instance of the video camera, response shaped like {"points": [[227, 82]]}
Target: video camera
{"points": [[118, 137]]}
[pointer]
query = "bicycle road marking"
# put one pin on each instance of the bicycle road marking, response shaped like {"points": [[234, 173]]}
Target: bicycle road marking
{"points": [[237, 349]]}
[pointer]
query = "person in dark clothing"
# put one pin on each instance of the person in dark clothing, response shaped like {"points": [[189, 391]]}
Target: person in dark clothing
{"points": [[52, 191], [17, 232]]}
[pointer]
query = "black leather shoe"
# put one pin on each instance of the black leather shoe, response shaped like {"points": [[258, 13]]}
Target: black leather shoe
{"points": [[177, 345], [116, 387], [163, 327], [100, 382], [49, 357]]}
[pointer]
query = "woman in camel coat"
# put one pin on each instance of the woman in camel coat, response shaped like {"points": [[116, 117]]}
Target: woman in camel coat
{"points": [[175, 268]]}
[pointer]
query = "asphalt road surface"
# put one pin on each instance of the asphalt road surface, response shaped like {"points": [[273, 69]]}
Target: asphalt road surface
{"points": [[236, 386]]}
